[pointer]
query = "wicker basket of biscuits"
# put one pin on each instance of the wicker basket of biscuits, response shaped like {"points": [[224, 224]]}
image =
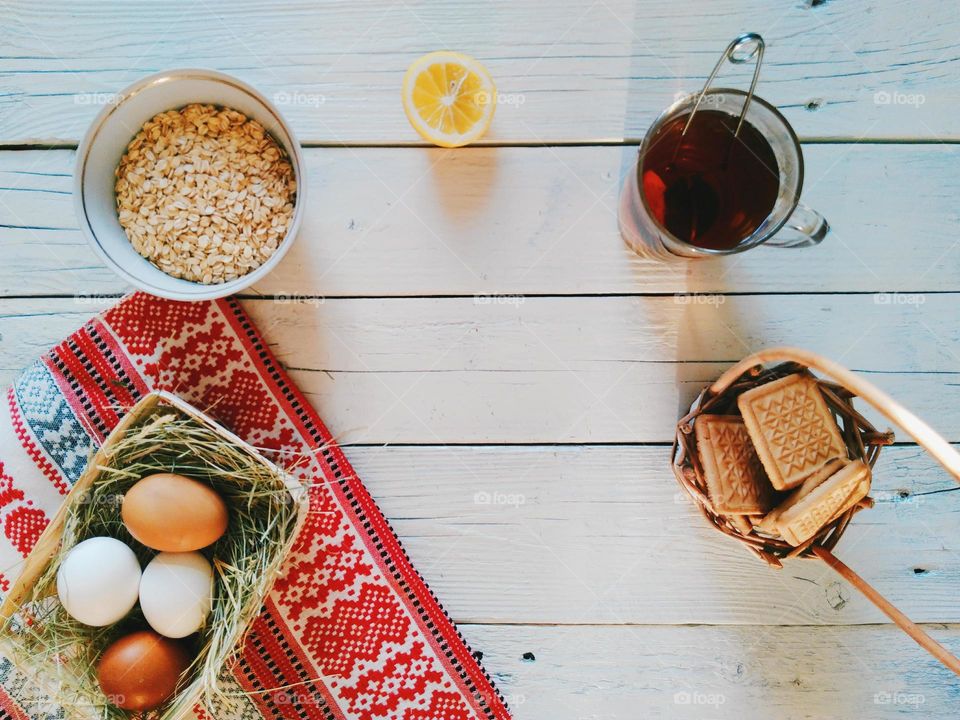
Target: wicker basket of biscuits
{"points": [[776, 455]]}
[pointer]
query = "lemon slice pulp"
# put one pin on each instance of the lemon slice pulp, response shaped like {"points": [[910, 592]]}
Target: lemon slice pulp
{"points": [[449, 98]]}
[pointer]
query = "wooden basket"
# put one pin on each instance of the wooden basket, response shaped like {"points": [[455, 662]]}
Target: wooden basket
{"points": [[49, 542], [839, 387]]}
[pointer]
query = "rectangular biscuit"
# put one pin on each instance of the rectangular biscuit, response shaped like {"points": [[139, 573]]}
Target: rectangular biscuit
{"points": [[792, 429], [769, 522], [742, 523], [736, 482], [833, 497]]}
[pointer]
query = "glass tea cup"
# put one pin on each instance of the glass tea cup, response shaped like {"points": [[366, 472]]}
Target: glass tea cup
{"points": [[788, 223]]}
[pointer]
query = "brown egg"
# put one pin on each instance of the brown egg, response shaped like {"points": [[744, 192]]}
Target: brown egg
{"points": [[141, 670], [173, 513]]}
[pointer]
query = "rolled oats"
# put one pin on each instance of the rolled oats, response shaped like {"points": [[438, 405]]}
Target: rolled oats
{"points": [[204, 193]]}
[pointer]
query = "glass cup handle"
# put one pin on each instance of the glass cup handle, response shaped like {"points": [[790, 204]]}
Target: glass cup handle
{"points": [[805, 228]]}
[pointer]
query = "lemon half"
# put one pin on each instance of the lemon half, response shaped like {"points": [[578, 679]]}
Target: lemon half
{"points": [[449, 98]]}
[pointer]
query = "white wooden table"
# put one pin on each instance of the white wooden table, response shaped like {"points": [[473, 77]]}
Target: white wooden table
{"points": [[505, 373]]}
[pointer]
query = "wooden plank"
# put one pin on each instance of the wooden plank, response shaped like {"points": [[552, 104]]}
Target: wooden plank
{"points": [[614, 369], [571, 370], [577, 72], [524, 220], [692, 673], [605, 535], [544, 406]]}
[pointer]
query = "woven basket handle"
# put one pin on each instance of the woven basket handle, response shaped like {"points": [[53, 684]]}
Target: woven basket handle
{"points": [[928, 438]]}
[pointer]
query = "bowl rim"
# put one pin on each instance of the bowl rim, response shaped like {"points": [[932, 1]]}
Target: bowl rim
{"points": [[202, 292]]}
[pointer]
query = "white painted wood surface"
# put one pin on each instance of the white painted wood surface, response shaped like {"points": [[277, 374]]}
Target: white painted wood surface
{"points": [[392, 221], [579, 71], [703, 673], [556, 369], [505, 374]]}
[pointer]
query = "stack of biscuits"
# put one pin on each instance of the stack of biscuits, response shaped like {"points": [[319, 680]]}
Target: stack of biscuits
{"points": [[781, 467]]}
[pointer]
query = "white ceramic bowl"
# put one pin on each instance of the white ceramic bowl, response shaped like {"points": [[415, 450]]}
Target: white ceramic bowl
{"points": [[107, 139]]}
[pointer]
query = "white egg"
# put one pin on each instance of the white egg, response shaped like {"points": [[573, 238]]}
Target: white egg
{"points": [[98, 581], [176, 592]]}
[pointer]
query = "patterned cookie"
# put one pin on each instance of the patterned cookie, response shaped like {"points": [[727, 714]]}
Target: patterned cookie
{"points": [[833, 497], [792, 429], [769, 522], [736, 482]]}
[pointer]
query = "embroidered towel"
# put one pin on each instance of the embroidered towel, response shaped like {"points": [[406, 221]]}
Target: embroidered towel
{"points": [[350, 630]]}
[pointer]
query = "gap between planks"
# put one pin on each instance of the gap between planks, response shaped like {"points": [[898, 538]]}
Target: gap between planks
{"points": [[479, 145]]}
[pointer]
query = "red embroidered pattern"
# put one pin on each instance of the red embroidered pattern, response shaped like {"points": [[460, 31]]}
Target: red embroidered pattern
{"points": [[406, 677], [23, 524], [8, 493], [23, 527], [148, 322], [9, 707]]}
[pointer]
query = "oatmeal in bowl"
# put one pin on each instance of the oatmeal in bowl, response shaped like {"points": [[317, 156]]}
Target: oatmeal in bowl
{"points": [[190, 186], [205, 193]]}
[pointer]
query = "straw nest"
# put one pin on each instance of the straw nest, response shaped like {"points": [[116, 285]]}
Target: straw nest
{"points": [[245, 561]]}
